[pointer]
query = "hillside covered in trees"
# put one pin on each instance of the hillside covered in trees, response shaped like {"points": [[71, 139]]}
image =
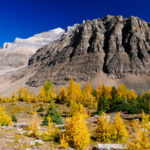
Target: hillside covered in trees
{"points": [[76, 118]]}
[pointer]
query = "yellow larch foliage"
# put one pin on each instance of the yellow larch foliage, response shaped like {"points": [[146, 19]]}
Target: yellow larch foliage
{"points": [[148, 92], [99, 90], [63, 142], [26, 95], [23, 95], [77, 108], [132, 95], [13, 94], [103, 129], [122, 91], [146, 121], [108, 90], [62, 94], [74, 107], [51, 94], [34, 125], [5, 98], [76, 133], [51, 132], [70, 90], [14, 98], [74, 91], [87, 98], [42, 96], [140, 139], [119, 131], [5, 120], [77, 92], [88, 88], [47, 92], [20, 93], [34, 98], [144, 93]]}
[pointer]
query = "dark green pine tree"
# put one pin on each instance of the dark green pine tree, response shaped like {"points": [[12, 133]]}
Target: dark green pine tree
{"points": [[103, 103], [53, 114], [114, 98]]}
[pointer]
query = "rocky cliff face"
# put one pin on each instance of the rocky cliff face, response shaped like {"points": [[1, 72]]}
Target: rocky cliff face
{"points": [[116, 46], [18, 53]]}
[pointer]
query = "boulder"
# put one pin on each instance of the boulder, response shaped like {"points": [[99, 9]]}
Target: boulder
{"points": [[108, 147]]}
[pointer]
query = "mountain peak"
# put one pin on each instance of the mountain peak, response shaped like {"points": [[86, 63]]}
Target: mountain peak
{"points": [[113, 45], [58, 30], [18, 53]]}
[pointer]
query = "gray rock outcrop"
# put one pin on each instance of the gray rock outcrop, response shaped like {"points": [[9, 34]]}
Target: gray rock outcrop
{"points": [[114, 45]]}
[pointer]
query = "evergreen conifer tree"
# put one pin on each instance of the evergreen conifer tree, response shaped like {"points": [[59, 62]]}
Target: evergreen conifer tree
{"points": [[103, 103], [53, 114]]}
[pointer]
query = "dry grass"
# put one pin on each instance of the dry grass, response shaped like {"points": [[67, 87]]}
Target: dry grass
{"points": [[12, 139]]}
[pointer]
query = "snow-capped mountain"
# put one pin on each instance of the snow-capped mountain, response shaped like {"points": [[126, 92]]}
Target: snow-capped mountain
{"points": [[18, 53]]}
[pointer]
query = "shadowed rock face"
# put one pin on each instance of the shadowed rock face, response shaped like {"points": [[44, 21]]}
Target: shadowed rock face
{"points": [[115, 45]]}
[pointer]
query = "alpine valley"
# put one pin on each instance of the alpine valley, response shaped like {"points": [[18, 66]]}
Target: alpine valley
{"points": [[112, 49]]}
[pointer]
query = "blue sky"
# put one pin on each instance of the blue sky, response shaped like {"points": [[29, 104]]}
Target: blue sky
{"points": [[23, 18]]}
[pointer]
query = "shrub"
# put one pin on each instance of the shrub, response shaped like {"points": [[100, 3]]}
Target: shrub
{"points": [[34, 125], [52, 133], [5, 120], [62, 95], [53, 114], [63, 142], [47, 92], [111, 130], [14, 118], [41, 109], [140, 140]]}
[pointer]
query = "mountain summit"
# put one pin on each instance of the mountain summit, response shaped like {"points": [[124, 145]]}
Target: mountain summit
{"points": [[112, 49], [18, 53], [113, 45]]}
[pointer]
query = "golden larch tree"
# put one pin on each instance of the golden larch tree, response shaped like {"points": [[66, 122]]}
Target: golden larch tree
{"points": [[132, 95], [99, 90], [62, 94], [76, 133], [88, 99], [103, 129], [122, 92], [34, 125], [119, 130], [140, 139], [5, 120], [108, 90], [70, 90], [51, 132]]}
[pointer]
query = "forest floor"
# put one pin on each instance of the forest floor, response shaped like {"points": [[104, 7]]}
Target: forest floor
{"points": [[13, 138]]}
